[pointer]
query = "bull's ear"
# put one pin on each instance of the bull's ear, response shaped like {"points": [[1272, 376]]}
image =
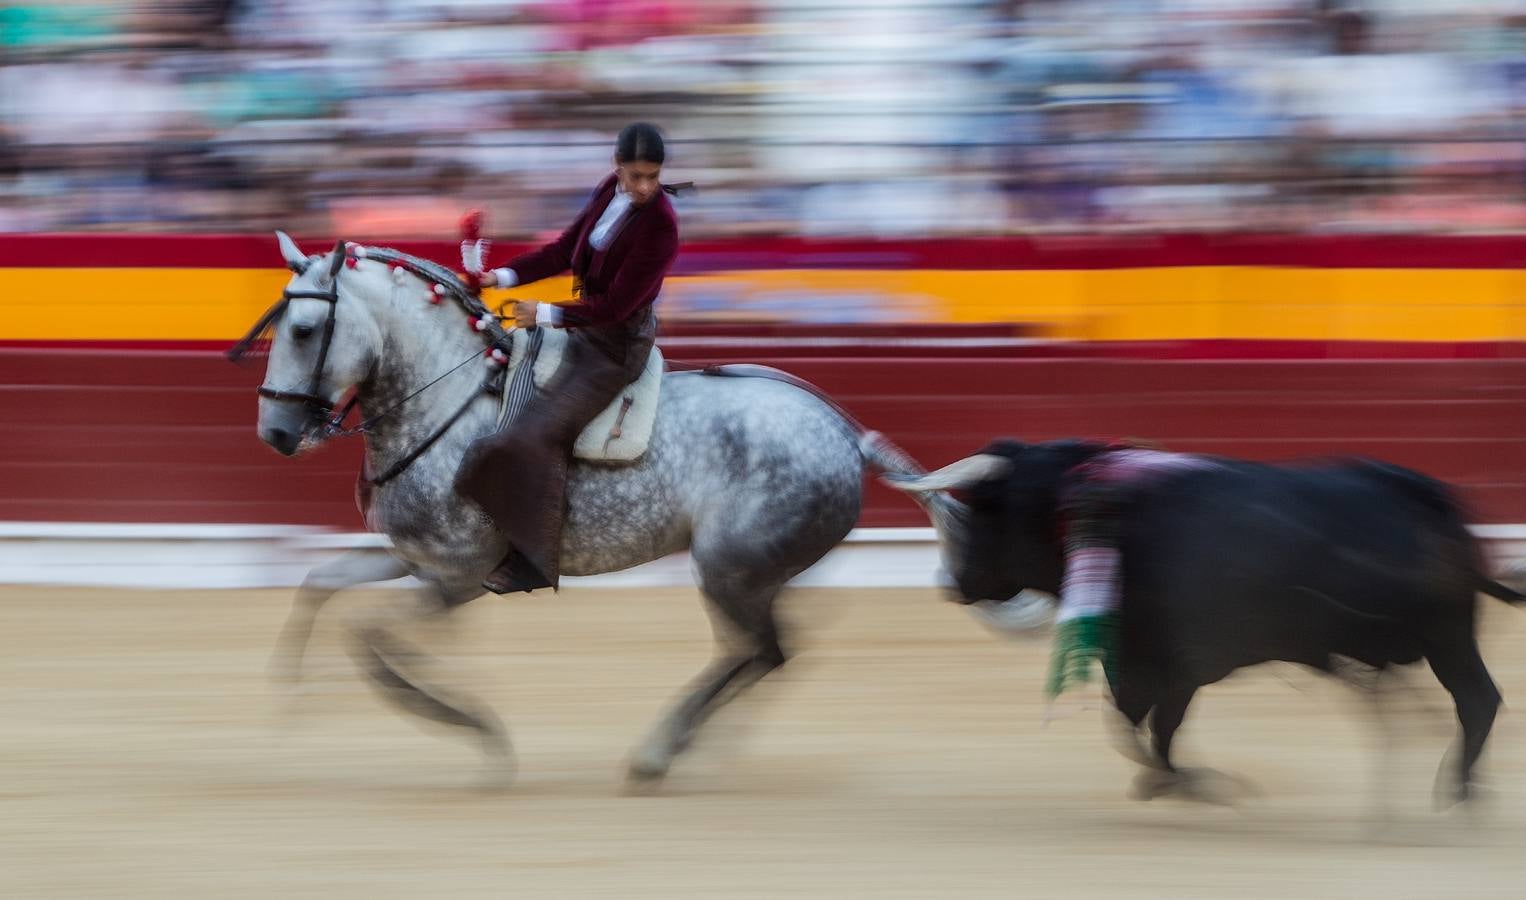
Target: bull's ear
{"points": [[295, 259], [965, 473]]}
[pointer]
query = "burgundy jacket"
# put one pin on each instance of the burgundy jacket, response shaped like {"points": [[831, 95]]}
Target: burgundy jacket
{"points": [[619, 281]]}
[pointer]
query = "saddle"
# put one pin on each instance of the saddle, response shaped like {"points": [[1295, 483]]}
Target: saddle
{"points": [[621, 432]]}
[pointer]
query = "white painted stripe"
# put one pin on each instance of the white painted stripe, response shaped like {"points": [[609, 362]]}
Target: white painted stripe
{"points": [[243, 556], [136, 531]]}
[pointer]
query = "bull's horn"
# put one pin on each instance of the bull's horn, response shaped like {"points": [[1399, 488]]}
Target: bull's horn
{"points": [[951, 520], [962, 474], [950, 517], [1016, 615], [295, 259]]}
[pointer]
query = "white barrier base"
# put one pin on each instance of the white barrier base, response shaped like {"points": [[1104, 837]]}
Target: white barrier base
{"points": [[257, 556]]}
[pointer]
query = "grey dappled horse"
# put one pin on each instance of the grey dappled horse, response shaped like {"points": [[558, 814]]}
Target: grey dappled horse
{"points": [[757, 478]]}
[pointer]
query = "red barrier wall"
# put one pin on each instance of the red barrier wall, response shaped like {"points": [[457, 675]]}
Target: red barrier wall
{"points": [[168, 436]]}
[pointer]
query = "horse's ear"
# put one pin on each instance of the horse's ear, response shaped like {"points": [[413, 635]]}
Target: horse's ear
{"points": [[336, 260], [295, 259]]}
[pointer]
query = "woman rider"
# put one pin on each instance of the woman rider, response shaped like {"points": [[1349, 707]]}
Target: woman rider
{"points": [[619, 249]]}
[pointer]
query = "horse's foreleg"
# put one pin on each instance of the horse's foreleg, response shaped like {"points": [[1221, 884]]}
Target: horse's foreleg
{"points": [[351, 569], [395, 669]]}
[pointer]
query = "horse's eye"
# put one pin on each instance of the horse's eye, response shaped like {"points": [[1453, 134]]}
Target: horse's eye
{"points": [[301, 332]]}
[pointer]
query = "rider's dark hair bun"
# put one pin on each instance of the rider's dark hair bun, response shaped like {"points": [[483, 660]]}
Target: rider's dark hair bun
{"points": [[640, 142]]}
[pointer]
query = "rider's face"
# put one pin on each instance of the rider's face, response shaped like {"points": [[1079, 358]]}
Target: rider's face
{"points": [[639, 180]]}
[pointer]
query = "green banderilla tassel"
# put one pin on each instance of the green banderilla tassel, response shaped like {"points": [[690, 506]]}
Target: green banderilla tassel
{"points": [[1076, 643]]}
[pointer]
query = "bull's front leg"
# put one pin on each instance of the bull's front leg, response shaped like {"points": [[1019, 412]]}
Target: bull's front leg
{"points": [[1163, 778], [1133, 703]]}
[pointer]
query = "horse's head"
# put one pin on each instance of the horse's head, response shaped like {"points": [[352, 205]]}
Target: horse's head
{"points": [[324, 342]]}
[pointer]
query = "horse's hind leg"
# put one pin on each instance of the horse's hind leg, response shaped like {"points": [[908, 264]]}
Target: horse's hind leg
{"points": [[353, 568], [1460, 669], [747, 634], [394, 668]]}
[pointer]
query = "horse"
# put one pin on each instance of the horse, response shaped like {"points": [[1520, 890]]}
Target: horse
{"points": [[757, 477]]}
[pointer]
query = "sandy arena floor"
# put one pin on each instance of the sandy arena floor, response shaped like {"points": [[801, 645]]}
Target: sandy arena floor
{"points": [[900, 754]]}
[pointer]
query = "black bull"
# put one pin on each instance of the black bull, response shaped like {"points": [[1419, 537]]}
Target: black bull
{"points": [[1242, 563]]}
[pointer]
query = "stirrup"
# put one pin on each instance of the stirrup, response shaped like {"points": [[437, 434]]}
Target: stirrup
{"points": [[515, 575]]}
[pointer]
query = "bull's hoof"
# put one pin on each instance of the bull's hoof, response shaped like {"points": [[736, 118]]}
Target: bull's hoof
{"points": [[1152, 783], [1197, 785]]}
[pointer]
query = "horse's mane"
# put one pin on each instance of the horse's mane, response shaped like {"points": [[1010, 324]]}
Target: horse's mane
{"points": [[430, 271], [449, 283], [454, 287]]}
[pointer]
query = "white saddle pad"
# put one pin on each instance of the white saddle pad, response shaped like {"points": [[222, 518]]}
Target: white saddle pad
{"points": [[622, 431]]}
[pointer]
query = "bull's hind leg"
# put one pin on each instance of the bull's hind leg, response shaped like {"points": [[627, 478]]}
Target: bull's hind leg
{"points": [[394, 668], [747, 635], [1460, 669]]}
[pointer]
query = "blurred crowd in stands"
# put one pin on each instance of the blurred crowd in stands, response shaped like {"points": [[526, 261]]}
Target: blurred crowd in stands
{"points": [[386, 118]]}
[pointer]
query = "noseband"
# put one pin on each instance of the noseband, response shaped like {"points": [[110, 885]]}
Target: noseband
{"points": [[312, 396]]}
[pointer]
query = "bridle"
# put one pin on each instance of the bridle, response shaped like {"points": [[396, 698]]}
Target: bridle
{"points": [[321, 413], [312, 396]]}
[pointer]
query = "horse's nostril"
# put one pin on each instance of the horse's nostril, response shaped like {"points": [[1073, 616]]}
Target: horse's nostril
{"points": [[282, 441]]}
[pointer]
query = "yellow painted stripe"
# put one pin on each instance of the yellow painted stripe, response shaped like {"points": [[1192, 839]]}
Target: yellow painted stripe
{"points": [[1097, 304]]}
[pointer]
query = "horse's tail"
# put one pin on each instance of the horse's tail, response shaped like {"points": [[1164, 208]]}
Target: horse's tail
{"points": [[1501, 591], [876, 449], [884, 455]]}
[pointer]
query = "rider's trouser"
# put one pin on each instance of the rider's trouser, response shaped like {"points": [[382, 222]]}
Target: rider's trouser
{"points": [[518, 475]]}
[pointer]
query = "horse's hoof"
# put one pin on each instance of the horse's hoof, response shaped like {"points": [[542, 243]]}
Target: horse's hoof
{"points": [[652, 759], [643, 782], [645, 772], [499, 766], [498, 776], [642, 785], [291, 702], [283, 673]]}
